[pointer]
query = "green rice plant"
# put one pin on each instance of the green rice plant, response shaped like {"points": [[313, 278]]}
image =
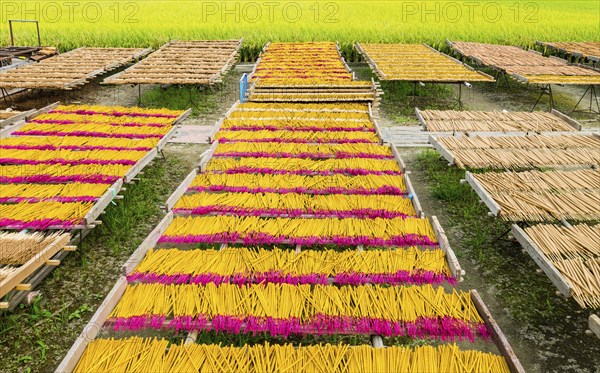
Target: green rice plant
{"points": [[68, 25]]}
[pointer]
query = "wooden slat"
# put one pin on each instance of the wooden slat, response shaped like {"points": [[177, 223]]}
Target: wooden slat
{"points": [[413, 196], [103, 202], [455, 268], [561, 283], [207, 156], [38, 260], [181, 189], [483, 194], [15, 118], [420, 118], [442, 150], [378, 131], [148, 243], [136, 168], [6, 131], [93, 327], [398, 159], [567, 119], [165, 139], [511, 358]]}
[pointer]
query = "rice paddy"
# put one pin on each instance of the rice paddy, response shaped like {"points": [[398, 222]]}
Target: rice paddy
{"points": [[69, 25]]}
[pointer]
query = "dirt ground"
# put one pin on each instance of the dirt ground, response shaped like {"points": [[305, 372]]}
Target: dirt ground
{"points": [[78, 282]]}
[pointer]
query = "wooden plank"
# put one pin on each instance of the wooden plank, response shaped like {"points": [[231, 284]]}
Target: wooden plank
{"points": [[103, 202], [379, 134], [32, 114], [594, 324], [398, 159], [15, 118], [38, 260], [542, 261], [181, 189], [483, 194], [148, 243], [420, 118], [413, 196], [92, 328], [166, 138], [232, 108], [216, 128], [442, 150], [511, 359], [455, 268], [182, 117], [133, 171], [371, 117], [207, 156], [572, 122]]}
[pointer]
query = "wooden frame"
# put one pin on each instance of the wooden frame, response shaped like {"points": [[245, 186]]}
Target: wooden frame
{"points": [[92, 328], [511, 358], [567, 119], [420, 118], [542, 261], [379, 134], [399, 159], [6, 131], [38, 276], [28, 268], [217, 126], [455, 268], [139, 166], [165, 139], [18, 116], [483, 194], [207, 156], [103, 202], [71, 69], [168, 64], [432, 53], [181, 189], [148, 243], [412, 195], [447, 154]]}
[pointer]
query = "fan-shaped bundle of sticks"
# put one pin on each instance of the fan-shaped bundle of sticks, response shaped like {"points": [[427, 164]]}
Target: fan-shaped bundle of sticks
{"points": [[18, 248]]}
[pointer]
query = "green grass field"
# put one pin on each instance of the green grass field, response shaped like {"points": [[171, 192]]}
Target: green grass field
{"points": [[151, 22]]}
